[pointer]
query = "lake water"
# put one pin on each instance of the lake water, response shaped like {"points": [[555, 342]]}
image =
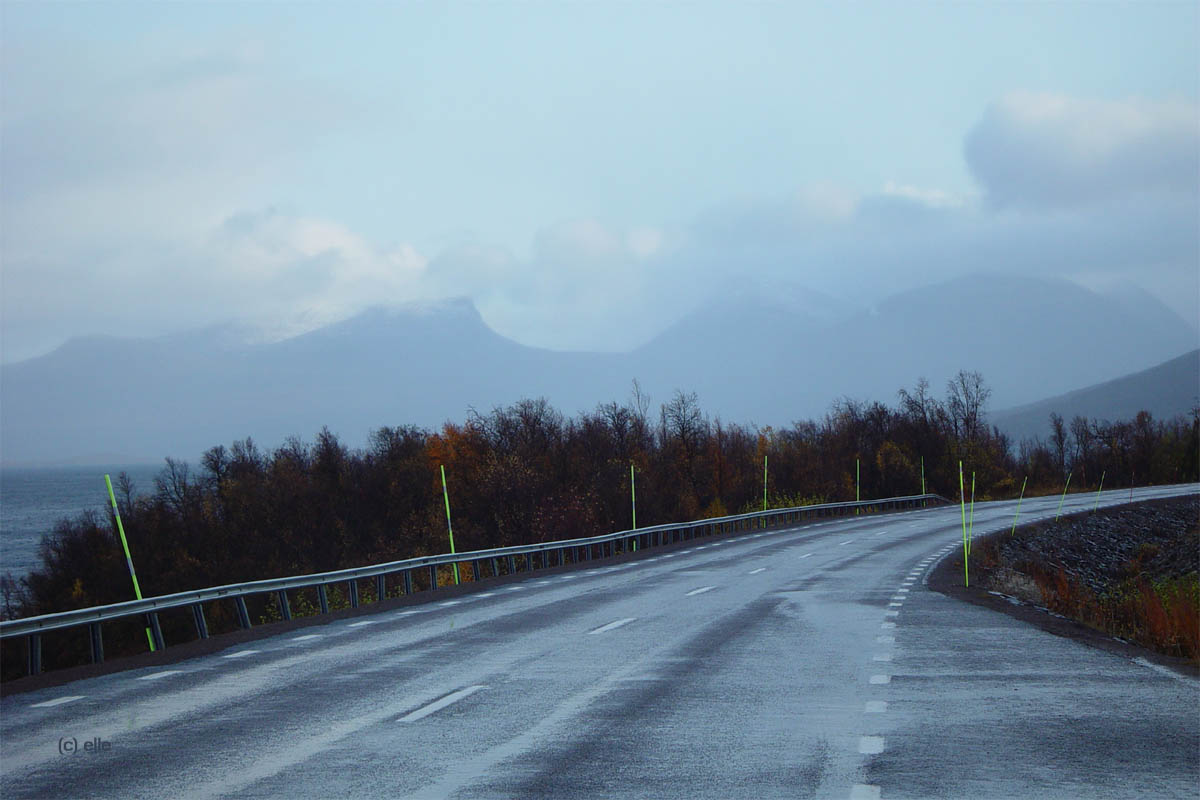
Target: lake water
{"points": [[32, 501]]}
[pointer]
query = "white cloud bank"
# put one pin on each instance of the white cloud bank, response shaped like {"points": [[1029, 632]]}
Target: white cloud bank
{"points": [[1101, 192]]}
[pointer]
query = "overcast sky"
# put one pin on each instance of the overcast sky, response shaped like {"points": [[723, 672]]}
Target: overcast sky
{"points": [[585, 172]]}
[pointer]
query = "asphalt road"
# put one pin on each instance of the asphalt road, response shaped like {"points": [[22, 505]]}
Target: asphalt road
{"points": [[808, 662]]}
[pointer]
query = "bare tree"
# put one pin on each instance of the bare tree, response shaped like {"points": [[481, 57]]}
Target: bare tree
{"points": [[641, 401], [966, 401], [1059, 439]]}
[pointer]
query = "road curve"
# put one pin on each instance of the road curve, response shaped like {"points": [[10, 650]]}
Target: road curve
{"points": [[807, 662]]}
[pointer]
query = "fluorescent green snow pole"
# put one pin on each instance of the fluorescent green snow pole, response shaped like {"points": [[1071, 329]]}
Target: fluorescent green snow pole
{"points": [[1064, 496], [137, 590], [1102, 474], [764, 483], [922, 474], [962, 503], [971, 521], [449, 527], [1022, 497], [633, 501], [857, 485]]}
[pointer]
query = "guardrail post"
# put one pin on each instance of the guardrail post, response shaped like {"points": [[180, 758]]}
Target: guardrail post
{"points": [[156, 631], [408, 582], [562, 556], [495, 567], [285, 608], [353, 585], [380, 588], [432, 577], [323, 598], [243, 613], [201, 623], [475, 573], [545, 559], [512, 565], [529, 562], [35, 653], [97, 643]]}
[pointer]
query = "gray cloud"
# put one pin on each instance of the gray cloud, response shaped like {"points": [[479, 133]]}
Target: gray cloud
{"points": [[1044, 151]]}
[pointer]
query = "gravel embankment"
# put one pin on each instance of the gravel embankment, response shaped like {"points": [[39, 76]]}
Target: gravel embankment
{"points": [[1158, 538]]}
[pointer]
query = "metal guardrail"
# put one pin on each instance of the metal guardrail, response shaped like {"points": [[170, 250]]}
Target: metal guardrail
{"points": [[578, 550]]}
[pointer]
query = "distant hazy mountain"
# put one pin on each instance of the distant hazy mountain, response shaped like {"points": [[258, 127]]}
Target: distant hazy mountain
{"points": [[768, 357], [182, 394], [1029, 338], [1166, 390]]}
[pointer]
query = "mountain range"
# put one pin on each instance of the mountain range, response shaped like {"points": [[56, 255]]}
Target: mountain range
{"points": [[768, 358], [1165, 390]]}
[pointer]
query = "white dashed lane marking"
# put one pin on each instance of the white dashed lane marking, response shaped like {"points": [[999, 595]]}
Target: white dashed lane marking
{"points": [[306, 637], [880, 679], [870, 745], [613, 625], [162, 674], [438, 705], [701, 590], [875, 707], [756, 571], [240, 654], [58, 701]]}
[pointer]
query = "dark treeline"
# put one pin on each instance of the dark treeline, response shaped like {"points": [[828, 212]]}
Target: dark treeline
{"points": [[527, 473]]}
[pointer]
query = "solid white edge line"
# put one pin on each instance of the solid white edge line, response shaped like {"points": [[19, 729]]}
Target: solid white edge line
{"points": [[1159, 668]]}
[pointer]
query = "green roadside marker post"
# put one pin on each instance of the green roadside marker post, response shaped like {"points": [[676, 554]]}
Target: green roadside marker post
{"points": [[764, 483], [922, 479], [1014, 525], [1058, 513], [1102, 474], [857, 486], [962, 503], [633, 501], [137, 590], [971, 521], [449, 527]]}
